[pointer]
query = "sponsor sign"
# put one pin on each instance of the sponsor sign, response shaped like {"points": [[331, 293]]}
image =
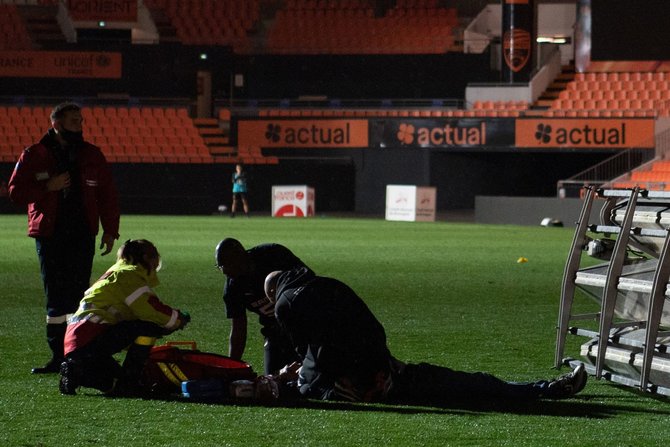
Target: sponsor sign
{"points": [[445, 133], [107, 10], [60, 64], [303, 133], [292, 201], [472, 133], [585, 133], [410, 203]]}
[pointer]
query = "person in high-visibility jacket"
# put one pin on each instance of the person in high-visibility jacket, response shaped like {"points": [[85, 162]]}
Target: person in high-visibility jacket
{"points": [[121, 310]]}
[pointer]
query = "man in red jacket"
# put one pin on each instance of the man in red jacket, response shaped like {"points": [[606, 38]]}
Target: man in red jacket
{"points": [[67, 186]]}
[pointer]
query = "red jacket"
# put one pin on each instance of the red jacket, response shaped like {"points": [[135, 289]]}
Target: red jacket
{"points": [[27, 186]]}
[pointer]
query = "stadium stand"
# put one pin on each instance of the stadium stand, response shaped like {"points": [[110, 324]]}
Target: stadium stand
{"points": [[644, 94], [653, 176], [478, 109], [342, 28], [310, 27], [210, 22], [13, 32], [500, 108], [352, 27], [131, 135]]}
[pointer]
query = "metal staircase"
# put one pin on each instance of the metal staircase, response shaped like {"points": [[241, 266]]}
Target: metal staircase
{"points": [[622, 267]]}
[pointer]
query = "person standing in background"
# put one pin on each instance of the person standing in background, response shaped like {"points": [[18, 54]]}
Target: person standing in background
{"points": [[68, 189], [239, 190]]}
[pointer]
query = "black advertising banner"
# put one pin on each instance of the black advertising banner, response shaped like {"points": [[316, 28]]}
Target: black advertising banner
{"points": [[448, 133], [453, 133], [518, 40]]}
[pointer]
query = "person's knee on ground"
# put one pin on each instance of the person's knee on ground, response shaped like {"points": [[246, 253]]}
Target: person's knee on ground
{"points": [[136, 358], [94, 366], [98, 372]]}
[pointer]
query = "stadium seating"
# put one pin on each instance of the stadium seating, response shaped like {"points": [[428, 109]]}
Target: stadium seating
{"points": [[351, 27], [642, 94], [211, 22], [499, 108], [13, 32], [297, 27], [130, 135], [655, 177], [479, 109]]}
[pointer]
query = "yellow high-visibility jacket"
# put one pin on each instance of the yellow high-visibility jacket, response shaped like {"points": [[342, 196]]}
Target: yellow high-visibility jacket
{"points": [[123, 293]]}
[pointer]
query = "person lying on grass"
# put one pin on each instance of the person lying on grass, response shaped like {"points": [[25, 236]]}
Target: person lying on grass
{"points": [[345, 356]]}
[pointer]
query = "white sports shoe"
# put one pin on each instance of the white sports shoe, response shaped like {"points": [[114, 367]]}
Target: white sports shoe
{"points": [[568, 384]]}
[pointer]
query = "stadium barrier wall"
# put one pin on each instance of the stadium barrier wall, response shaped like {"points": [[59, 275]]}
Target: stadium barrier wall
{"points": [[529, 210], [164, 188], [344, 180]]}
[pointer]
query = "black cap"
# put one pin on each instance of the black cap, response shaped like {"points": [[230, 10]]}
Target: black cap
{"points": [[63, 107]]}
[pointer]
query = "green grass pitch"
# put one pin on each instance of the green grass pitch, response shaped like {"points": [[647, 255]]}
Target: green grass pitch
{"points": [[447, 293]]}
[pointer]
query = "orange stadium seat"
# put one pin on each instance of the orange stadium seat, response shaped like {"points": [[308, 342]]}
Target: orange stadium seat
{"points": [[625, 94], [415, 28]]}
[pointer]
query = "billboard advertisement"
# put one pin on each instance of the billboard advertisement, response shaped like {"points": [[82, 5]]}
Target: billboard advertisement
{"points": [[106, 10], [410, 203], [584, 133], [450, 133], [443, 133], [301, 133], [292, 201], [60, 64]]}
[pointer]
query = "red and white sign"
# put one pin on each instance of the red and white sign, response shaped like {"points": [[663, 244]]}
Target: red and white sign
{"points": [[107, 10], [60, 64], [292, 201], [410, 203]]}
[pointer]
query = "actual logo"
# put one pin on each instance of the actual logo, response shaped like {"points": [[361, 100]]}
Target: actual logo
{"points": [[543, 133], [583, 135]]}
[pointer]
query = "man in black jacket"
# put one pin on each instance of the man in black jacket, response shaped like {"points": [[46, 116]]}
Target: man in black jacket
{"points": [[245, 272], [345, 357], [67, 186]]}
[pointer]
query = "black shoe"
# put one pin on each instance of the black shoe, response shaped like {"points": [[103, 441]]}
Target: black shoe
{"points": [[69, 379], [568, 384], [52, 366]]}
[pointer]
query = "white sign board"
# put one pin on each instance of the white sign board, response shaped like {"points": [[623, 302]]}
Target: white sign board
{"points": [[410, 203], [292, 201]]}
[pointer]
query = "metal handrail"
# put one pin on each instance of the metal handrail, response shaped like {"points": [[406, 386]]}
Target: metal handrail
{"points": [[617, 167], [604, 172]]}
